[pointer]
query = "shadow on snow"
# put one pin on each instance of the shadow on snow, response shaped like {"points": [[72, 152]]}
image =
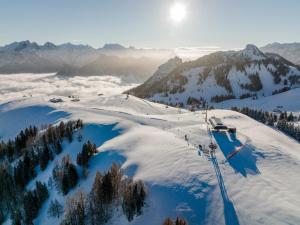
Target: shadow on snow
{"points": [[15, 120], [244, 162], [230, 215], [182, 201]]}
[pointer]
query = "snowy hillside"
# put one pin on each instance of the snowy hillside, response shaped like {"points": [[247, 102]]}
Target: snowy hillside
{"points": [[220, 76], [259, 185], [286, 101]]}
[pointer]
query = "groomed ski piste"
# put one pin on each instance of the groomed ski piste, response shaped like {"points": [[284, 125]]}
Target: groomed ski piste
{"points": [[260, 184]]}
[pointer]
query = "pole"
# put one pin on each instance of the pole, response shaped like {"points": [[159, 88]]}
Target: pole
{"points": [[206, 113]]}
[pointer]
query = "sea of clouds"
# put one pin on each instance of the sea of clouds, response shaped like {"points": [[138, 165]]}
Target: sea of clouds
{"points": [[24, 85]]}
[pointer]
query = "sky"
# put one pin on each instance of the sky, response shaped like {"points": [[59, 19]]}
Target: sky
{"points": [[225, 24]]}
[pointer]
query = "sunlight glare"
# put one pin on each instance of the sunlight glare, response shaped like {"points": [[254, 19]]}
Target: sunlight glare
{"points": [[177, 12]]}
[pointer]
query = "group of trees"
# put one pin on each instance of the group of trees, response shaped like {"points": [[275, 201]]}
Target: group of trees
{"points": [[65, 175], [196, 103], [109, 191], [221, 76], [255, 84], [55, 209], [284, 121], [13, 149], [83, 157], [289, 128], [24, 170], [178, 221], [27, 151], [221, 98], [33, 201], [29, 205], [284, 89], [133, 198]]}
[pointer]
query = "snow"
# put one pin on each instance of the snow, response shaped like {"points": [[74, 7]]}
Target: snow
{"points": [[208, 89], [260, 185], [287, 101], [252, 52], [237, 78]]}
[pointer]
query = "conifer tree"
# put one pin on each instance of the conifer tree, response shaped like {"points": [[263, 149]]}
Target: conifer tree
{"points": [[55, 209]]}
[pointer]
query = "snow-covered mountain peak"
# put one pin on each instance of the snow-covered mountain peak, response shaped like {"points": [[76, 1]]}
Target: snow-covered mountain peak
{"points": [[70, 46], [113, 46], [21, 46], [49, 45], [252, 52], [220, 76]]}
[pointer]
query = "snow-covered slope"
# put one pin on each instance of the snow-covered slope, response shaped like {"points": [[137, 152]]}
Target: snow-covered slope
{"points": [[260, 185], [286, 101], [221, 76]]}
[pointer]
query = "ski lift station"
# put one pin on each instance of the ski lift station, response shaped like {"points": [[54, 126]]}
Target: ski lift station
{"points": [[218, 125]]}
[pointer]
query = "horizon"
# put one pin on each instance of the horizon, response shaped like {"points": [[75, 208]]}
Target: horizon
{"points": [[184, 52], [211, 47], [164, 25]]}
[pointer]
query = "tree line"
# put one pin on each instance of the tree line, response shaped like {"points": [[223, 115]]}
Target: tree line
{"points": [[283, 121]]}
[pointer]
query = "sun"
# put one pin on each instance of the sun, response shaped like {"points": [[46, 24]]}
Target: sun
{"points": [[177, 12]]}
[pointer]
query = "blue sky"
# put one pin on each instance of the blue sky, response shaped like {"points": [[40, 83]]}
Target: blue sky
{"points": [[146, 23]]}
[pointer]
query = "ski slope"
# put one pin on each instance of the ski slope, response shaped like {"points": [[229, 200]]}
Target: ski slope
{"points": [[258, 185], [286, 101]]}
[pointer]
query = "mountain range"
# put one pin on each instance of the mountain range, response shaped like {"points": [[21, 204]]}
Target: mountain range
{"points": [[70, 59], [290, 51], [220, 76], [112, 59]]}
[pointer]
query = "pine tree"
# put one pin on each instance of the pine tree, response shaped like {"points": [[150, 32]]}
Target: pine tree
{"points": [[30, 207], [180, 221], [55, 209], [76, 212], [168, 221], [58, 148], [83, 157], [290, 118], [65, 175], [97, 207], [133, 199], [44, 157], [16, 218], [41, 192]]}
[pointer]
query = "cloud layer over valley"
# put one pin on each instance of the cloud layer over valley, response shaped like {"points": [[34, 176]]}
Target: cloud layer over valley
{"points": [[24, 85]]}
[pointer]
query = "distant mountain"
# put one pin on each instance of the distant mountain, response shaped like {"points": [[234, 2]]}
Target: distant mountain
{"points": [[113, 47], [71, 59], [26, 56], [220, 76], [136, 69], [27, 46], [290, 51]]}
